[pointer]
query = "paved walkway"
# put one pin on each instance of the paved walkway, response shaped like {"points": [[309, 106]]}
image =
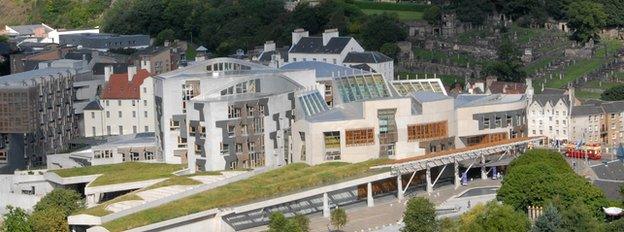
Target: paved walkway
{"points": [[388, 212]]}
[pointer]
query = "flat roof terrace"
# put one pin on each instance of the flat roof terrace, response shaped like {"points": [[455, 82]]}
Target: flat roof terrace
{"points": [[121, 173]]}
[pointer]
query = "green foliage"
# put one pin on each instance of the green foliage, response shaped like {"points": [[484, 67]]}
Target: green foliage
{"points": [[578, 217], [472, 11], [497, 217], [615, 12], [16, 220], [508, 66], [302, 222], [69, 13], [615, 226], [586, 18], [3, 39], [338, 218], [549, 221], [49, 220], [390, 6], [540, 176], [613, 94], [390, 49], [66, 201], [277, 222], [381, 29], [165, 35], [433, 16], [419, 216]]}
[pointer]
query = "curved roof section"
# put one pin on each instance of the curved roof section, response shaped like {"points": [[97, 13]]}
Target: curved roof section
{"points": [[324, 70], [201, 67], [471, 100]]}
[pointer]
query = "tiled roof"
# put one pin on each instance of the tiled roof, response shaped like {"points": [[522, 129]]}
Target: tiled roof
{"points": [[542, 99], [315, 45], [118, 86], [507, 87], [366, 57], [614, 107]]}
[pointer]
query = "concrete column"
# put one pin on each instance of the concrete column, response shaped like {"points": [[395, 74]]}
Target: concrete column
{"points": [[399, 188], [326, 211], [483, 172], [369, 195], [456, 179], [92, 200], [428, 177]]}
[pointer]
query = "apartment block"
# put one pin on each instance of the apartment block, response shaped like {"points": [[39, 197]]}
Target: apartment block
{"points": [[126, 105], [36, 116]]}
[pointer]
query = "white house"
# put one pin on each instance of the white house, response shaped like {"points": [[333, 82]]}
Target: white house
{"points": [[126, 105]]}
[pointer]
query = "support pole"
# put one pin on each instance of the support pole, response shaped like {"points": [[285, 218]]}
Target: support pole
{"points": [[439, 175], [400, 188], [369, 195], [326, 212], [483, 171], [428, 177], [456, 179]]}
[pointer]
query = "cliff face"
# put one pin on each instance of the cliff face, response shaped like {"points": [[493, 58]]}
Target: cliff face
{"points": [[14, 12]]}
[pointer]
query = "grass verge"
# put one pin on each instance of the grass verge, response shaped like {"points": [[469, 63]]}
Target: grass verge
{"points": [[289, 179], [122, 173]]}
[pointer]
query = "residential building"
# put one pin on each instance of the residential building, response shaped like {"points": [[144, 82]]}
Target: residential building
{"points": [[332, 48], [36, 116], [549, 113], [104, 42], [588, 124], [126, 105], [155, 60], [30, 56], [39, 31], [614, 122], [226, 113]]}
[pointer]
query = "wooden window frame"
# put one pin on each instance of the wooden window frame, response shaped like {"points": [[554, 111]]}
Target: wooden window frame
{"points": [[427, 131], [360, 137]]}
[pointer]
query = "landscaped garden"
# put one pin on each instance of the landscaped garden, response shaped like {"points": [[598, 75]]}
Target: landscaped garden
{"points": [[122, 173], [289, 179]]}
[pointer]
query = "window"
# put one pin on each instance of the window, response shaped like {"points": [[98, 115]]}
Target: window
{"points": [[198, 149], [239, 147], [427, 131], [146, 128], [230, 130], [145, 114], [332, 140], [93, 131], [92, 114], [120, 114], [133, 103], [251, 147], [134, 129], [224, 148], [144, 90], [534, 132], [334, 60], [498, 121], [144, 102], [258, 126], [107, 104], [173, 124], [149, 155], [509, 122], [181, 142], [294, 59], [134, 114], [3, 157], [359, 137], [486, 122], [108, 130], [119, 102], [107, 114], [121, 130], [233, 112]]}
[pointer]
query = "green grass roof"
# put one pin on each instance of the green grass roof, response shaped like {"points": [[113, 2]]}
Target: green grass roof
{"points": [[122, 173], [289, 179]]}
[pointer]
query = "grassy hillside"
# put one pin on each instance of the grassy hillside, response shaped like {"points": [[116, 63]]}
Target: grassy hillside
{"points": [[56, 13], [14, 12]]}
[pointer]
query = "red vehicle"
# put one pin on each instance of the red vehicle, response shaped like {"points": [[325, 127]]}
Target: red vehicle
{"points": [[591, 151]]}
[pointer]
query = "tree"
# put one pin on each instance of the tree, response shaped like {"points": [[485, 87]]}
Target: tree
{"points": [[578, 217], [16, 220], [338, 218], [586, 18], [549, 221], [498, 217], [508, 66], [66, 201], [472, 11], [49, 220], [165, 35], [433, 15], [615, 12], [277, 222], [303, 222], [381, 29], [390, 49], [419, 216], [613, 94]]}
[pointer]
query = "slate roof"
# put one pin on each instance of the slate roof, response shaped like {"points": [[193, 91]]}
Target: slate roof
{"points": [[118, 86], [94, 105], [28, 29], [314, 45], [98, 68], [613, 107], [266, 56], [366, 57], [542, 99], [362, 67], [584, 110], [151, 50], [553, 91], [507, 87], [78, 56]]}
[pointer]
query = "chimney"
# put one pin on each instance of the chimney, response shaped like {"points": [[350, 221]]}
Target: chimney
{"points": [[298, 34], [328, 34], [132, 70], [108, 71], [529, 92], [571, 96], [269, 46], [489, 80]]}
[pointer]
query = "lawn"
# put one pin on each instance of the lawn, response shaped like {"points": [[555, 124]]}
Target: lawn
{"points": [[585, 66], [289, 179], [122, 173], [404, 16]]}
